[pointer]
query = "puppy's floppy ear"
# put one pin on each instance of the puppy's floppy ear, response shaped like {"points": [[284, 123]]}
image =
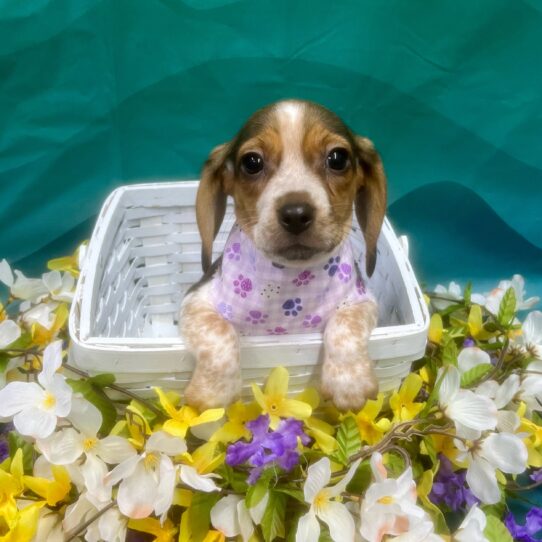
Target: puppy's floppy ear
{"points": [[211, 201], [370, 201]]}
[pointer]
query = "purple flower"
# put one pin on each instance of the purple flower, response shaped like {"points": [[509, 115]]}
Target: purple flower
{"points": [[267, 447], [449, 487], [469, 342], [536, 476], [527, 532], [4, 450]]}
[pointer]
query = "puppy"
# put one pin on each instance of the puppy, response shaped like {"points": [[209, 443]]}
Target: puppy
{"points": [[294, 172]]}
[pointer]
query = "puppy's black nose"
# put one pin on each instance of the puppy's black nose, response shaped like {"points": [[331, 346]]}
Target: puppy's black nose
{"points": [[296, 217]]}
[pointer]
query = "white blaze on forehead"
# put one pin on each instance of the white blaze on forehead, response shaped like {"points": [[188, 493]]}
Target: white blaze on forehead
{"points": [[292, 175]]}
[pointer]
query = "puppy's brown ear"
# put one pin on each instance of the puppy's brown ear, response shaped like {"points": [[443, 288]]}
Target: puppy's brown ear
{"points": [[211, 201], [370, 202]]}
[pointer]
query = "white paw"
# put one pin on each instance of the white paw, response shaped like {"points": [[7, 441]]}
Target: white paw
{"points": [[213, 392], [349, 385]]}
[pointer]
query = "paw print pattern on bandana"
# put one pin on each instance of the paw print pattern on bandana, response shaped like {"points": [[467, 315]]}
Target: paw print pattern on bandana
{"points": [[332, 265], [311, 321], [256, 317], [225, 310], [292, 307], [360, 287], [303, 278], [279, 330], [234, 252], [242, 286], [345, 272]]}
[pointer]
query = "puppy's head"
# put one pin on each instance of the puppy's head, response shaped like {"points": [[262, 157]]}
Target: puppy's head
{"points": [[294, 171]]}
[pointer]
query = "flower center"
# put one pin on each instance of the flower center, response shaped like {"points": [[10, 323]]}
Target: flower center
{"points": [[321, 500], [273, 404], [151, 461], [89, 443], [49, 400], [388, 499]]}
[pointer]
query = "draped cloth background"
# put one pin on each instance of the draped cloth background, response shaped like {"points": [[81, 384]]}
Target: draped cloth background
{"points": [[98, 93]]}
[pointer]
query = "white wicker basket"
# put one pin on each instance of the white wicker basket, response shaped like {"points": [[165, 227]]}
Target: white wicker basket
{"points": [[143, 255]]}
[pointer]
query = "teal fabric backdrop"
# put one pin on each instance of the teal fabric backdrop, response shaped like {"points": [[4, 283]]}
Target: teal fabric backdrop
{"points": [[98, 93]]}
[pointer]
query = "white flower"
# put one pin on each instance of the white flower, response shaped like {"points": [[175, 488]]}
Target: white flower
{"points": [[22, 287], [502, 451], [49, 527], [231, 516], [147, 481], [9, 333], [472, 527], [470, 357], [60, 286], [42, 314], [532, 332], [202, 482], [453, 292], [494, 298], [502, 395], [335, 514], [36, 407], [64, 447], [531, 386], [109, 527], [389, 508], [471, 413]]}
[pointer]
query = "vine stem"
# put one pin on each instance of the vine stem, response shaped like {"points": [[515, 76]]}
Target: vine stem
{"points": [[71, 535], [120, 389]]}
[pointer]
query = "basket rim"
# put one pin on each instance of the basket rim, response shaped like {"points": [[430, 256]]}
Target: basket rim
{"points": [[80, 312]]}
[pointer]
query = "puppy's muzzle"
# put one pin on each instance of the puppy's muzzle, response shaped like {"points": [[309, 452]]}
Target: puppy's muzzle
{"points": [[295, 218]]}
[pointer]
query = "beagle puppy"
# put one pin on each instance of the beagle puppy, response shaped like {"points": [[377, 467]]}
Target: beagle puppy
{"points": [[294, 171]]}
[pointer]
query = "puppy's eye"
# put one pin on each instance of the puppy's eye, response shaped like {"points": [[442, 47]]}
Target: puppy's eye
{"points": [[337, 159], [252, 163]]}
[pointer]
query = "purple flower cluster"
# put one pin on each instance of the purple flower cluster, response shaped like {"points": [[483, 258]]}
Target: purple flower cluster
{"points": [[449, 487], [267, 447], [527, 532]]}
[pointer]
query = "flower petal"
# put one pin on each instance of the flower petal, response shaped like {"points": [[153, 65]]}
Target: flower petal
{"points": [[277, 382], [532, 328], [507, 390], [52, 360], [168, 444], [166, 486], [34, 422], [123, 470], [308, 528], [257, 512], [224, 516], [449, 385], [506, 452], [113, 449], [85, 416], [339, 487], [62, 447], [482, 481], [318, 476], [292, 408], [138, 493], [6, 275], [473, 411], [339, 520], [202, 482], [471, 357], [62, 393], [94, 472], [9, 333], [245, 521], [17, 396]]}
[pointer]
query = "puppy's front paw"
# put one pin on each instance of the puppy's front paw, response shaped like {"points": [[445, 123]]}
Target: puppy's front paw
{"points": [[204, 393], [349, 385]]}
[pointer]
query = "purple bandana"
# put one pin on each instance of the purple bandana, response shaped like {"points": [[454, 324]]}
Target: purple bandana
{"points": [[260, 297]]}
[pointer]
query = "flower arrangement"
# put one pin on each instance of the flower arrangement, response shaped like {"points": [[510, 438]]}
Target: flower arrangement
{"points": [[437, 459]]}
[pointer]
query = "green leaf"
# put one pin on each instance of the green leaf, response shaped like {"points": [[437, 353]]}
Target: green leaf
{"points": [[236, 480], [22, 343], [102, 380], [348, 440], [472, 376], [507, 308], [449, 353], [4, 360], [257, 491], [199, 516], [15, 441], [297, 494], [467, 293], [496, 531], [430, 447], [361, 480], [99, 399], [273, 518]]}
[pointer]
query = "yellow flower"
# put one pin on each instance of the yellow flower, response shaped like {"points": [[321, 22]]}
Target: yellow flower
{"points": [[274, 402], [370, 430], [43, 336], [23, 527], [67, 263], [163, 533], [435, 328], [137, 425], [53, 491], [443, 444], [533, 440], [11, 485], [402, 402], [185, 417], [214, 536], [234, 429], [205, 458], [321, 431]]}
